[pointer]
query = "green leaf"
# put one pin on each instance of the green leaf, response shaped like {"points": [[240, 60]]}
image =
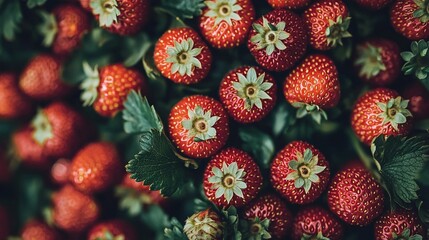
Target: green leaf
{"points": [[155, 218], [10, 18], [157, 165], [184, 9], [231, 231], [139, 116], [136, 47], [282, 117], [35, 3], [175, 231], [259, 144]]}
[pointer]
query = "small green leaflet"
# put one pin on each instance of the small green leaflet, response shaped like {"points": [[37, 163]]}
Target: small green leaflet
{"points": [[175, 231], [139, 116], [136, 48], [35, 3], [231, 231], [183, 9], [259, 144], [10, 18]]}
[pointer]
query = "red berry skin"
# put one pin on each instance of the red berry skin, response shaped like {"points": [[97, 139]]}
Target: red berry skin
{"points": [[41, 79], [179, 135], [13, 102], [396, 222], [235, 105], [252, 177], [117, 228], [60, 171], [35, 229], [74, 211], [296, 43], [373, 4], [314, 81], [271, 207], [403, 21], [290, 4], [280, 170], [96, 167], [224, 35], [314, 219], [365, 120], [4, 223], [419, 100], [354, 196], [28, 151], [85, 5], [167, 41]]}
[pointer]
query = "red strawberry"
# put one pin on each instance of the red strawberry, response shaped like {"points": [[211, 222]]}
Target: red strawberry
{"points": [[314, 222], [35, 229], [373, 4], [204, 225], [248, 93], [198, 126], [113, 229], [268, 209], [354, 196], [182, 56], [96, 167], [123, 17], [400, 224], [29, 151], [328, 22], [60, 171], [86, 5], [41, 78], [378, 61], [380, 111], [300, 172], [14, 103], [419, 100], [74, 211], [313, 86], [292, 4], [410, 18], [225, 23], [4, 223], [107, 88], [232, 178], [278, 40]]}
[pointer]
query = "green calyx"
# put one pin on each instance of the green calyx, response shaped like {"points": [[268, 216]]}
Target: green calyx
{"points": [[107, 11], [200, 124], [255, 229], [48, 28], [107, 235], [422, 12], [394, 112], [314, 111], [319, 236], [417, 60], [42, 128], [369, 60], [89, 85], [337, 31], [270, 37], [406, 235]]}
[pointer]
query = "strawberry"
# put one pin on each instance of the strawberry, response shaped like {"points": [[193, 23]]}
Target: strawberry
{"points": [[225, 23], [29, 151], [205, 224], [268, 210], [107, 88], [291, 4], [401, 224], [60, 171], [182, 56], [96, 167], [74, 211], [419, 99], [278, 40], [64, 28], [300, 172], [378, 61], [314, 222], [410, 18], [85, 5], [328, 22], [35, 229], [198, 126], [232, 178], [373, 4], [14, 103], [4, 223], [41, 78], [313, 86], [248, 93], [123, 17], [380, 111], [113, 229], [354, 195]]}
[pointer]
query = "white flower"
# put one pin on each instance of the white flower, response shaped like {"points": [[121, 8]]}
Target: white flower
{"points": [[223, 10], [270, 37], [183, 56], [394, 112], [228, 181], [107, 11], [200, 124]]}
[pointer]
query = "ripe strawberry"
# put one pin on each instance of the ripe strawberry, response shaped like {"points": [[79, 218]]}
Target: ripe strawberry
{"points": [[107, 88], [300, 172], [14, 103], [113, 229], [410, 18], [64, 28], [225, 23], [74, 211], [123, 17], [182, 56], [419, 100], [198, 126], [204, 225], [232, 178], [60, 171], [313, 86], [35, 229], [41, 78], [278, 40], [4, 223], [269, 209], [378, 61], [380, 111], [354, 195], [291, 4], [29, 151], [401, 224], [248, 93], [314, 222], [373, 4], [96, 167], [328, 22]]}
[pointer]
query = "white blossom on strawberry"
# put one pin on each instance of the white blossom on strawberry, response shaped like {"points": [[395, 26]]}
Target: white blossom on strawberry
{"points": [[270, 37], [228, 181], [223, 10], [183, 57], [394, 111], [200, 124], [107, 10]]}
